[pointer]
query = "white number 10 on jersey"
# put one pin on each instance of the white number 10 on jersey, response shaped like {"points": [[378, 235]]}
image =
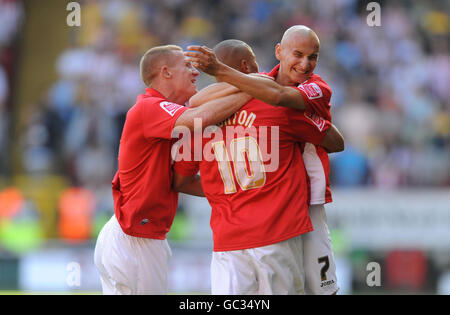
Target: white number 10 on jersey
{"points": [[247, 160]]}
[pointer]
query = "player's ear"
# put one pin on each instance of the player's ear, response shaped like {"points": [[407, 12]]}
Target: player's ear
{"points": [[278, 51], [244, 66], [165, 72]]}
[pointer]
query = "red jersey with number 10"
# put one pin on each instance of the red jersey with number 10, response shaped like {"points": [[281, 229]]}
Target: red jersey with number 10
{"points": [[255, 180]]}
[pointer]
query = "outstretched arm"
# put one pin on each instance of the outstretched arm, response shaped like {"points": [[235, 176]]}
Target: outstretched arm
{"points": [[212, 92], [259, 87], [213, 111]]}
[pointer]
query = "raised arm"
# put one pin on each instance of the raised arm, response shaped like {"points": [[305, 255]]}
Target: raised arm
{"points": [[259, 87]]}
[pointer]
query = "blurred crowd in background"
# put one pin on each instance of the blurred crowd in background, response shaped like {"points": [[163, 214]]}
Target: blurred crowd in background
{"points": [[391, 100], [11, 17], [390, 83], [391, 96]]}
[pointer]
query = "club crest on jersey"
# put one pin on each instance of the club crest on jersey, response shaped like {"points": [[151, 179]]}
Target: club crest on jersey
{"points": [[316, 119], [170, 108], [312, 90]]}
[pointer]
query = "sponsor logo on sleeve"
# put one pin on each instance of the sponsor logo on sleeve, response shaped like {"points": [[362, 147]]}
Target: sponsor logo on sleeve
{"points": [[170, 108], [316, 120], [312, 90]]}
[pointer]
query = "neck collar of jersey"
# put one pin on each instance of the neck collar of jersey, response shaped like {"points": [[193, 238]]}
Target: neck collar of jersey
{"points": [[153, 92]]}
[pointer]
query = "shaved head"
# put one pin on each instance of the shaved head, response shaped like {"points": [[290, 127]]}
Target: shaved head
{"points": [[154, 59], [300, 32], [236, 54], [298, 53]]}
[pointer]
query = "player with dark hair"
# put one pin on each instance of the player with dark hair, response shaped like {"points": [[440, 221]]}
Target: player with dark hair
{"points": [[295, 86], [259, 213], [237, 54]]}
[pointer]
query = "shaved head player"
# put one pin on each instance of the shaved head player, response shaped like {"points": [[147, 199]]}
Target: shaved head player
{"points": [[259, 215], [296, 86]]}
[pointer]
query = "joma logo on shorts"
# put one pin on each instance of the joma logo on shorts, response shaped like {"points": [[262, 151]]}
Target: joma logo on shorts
{"points": [[325, 283]]}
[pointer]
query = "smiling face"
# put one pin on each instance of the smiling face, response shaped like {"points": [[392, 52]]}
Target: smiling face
{"points": [[298, 53], [183, 77]]}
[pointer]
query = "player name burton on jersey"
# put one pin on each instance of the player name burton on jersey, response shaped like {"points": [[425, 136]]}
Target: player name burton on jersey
{"points": [[241, 117]]}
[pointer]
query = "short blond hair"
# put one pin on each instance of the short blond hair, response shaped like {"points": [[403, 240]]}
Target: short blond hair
{"points": [[154, 59]]}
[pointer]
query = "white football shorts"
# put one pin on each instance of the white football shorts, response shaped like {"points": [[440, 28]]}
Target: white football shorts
{"points": [[131, 265], [272, 269], [320, 268]]}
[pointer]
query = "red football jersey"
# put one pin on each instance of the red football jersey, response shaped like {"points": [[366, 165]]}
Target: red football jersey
{"points": [[254, 177], [317, 95], [144, 202]]}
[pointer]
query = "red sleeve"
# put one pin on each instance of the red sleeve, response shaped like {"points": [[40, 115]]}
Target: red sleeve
{"points": [[185, 163], [317, 96], [186, 168], [159, 117], [306, 127]]}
